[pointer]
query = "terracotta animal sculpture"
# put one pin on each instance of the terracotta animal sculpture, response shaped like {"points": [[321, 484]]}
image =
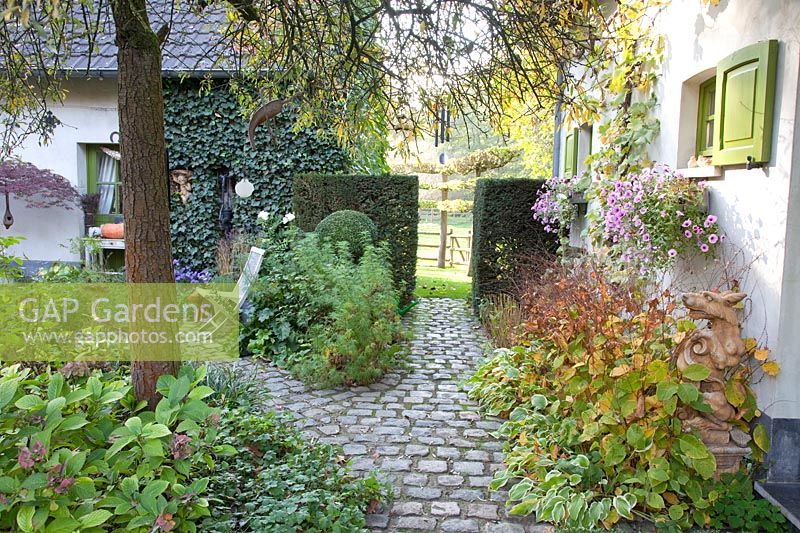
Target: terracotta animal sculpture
{"points": [[718, 347]]}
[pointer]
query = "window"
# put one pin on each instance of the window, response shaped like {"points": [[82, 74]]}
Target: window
{"points": [[705, 118], [744, 96], [102, 177]]}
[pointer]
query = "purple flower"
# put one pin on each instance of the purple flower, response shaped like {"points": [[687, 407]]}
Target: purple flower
{"points": [[704, 247], [710, 219], [672, 252], [713, 238], [687, 223], [687, 234], [25, 458], [646, 237], [698, 230], [187, 275]]}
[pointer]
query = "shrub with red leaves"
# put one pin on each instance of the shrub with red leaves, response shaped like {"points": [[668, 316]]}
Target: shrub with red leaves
{"points": [[39, 188]]}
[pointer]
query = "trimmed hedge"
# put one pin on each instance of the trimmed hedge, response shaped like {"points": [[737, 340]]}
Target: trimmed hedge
{"points": [[504, 234], [389, 200], [353, 227]]}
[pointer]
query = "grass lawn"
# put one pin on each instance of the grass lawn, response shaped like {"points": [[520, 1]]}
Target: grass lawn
{"points": [[435, 282]]}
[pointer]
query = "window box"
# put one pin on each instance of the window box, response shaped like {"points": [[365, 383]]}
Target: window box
{"points": [[701, 172]]}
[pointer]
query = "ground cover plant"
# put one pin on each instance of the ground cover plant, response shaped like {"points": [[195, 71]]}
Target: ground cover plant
{"points": [[79, 453], [594, 403], [328, 318]]}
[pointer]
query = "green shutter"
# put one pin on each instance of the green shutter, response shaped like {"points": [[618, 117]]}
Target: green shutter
{"points": [[571, 153], [745, 95]]}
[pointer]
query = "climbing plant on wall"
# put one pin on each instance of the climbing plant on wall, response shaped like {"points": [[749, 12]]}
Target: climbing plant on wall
{"points": [[206, 133]]}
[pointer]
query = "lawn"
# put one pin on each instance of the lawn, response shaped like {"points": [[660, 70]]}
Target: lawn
{"points": [[435, 282]]}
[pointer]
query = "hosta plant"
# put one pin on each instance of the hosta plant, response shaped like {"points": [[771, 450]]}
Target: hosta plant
{"points": [[80, 454], [594, 401]]}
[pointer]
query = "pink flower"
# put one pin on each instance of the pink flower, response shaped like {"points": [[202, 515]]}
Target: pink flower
{"points": [[646, 237], [672, 252], [687, 223], [180, 446], [25, 458], [65, 484], [710, 219], [39, 451], [713, 238], [164, 522], [687, 234], [704, 247]]}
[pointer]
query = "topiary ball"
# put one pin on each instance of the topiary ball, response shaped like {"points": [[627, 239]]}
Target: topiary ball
{"points": [[352, 227]]}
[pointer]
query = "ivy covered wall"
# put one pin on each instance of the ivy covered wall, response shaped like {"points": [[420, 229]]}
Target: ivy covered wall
{"points": [[207, 133]]}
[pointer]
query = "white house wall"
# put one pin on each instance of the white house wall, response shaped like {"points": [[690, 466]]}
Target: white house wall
{"points": [[757, 208], [89, 116]]}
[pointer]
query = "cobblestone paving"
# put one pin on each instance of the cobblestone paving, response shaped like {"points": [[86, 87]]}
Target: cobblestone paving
{"points": [[418, 427]]}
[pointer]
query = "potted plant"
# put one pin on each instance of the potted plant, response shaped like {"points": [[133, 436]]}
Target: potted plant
{"points": [[90, 203]]}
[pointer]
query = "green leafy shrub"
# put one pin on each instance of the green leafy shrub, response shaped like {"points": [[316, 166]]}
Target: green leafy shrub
{"points": [[327, 319], [207, 134], [61, 273], [739, 509], [283, 482], [10, 265], [390, 201], [352, 227], [593, 404], [79, 453], [505, 234]]}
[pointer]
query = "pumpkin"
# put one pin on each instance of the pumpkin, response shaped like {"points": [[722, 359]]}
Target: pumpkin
{"points": [[112, 231]]}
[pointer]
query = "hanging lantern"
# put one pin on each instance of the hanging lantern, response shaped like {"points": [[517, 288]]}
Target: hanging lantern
{"points": [[244, 189], [8, 218]]}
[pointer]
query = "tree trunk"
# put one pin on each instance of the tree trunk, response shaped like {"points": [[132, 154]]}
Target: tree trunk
{"points": [[145, 200]]}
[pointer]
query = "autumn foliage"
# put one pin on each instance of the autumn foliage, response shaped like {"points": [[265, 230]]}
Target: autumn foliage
{"points": [[594, 403]]}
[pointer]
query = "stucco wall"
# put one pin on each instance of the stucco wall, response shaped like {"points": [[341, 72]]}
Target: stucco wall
{"points": [[758, 209], [89, 115]]}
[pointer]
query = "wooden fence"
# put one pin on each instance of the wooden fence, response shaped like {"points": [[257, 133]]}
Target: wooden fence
{"points": [[459, 247]]}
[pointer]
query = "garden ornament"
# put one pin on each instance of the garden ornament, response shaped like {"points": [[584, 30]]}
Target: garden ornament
{"points": [[718, 347], [8, 218], [261, 115], [183, 181]]}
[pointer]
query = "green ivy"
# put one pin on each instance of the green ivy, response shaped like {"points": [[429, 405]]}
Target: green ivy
{"points": [[207, 133]]}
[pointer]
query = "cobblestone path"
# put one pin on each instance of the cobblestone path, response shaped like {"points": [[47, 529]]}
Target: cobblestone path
{"points": [[418, 427]]}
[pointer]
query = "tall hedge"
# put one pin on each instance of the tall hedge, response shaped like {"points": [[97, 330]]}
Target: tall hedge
{"points": [[389, 200], [206, 133], [505, 236]]}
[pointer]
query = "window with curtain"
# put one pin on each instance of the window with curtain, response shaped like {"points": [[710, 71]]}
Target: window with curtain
{"points": [[103, 179]]}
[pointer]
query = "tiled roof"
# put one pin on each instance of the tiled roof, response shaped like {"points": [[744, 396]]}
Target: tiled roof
{"points": [[195, 44]]}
